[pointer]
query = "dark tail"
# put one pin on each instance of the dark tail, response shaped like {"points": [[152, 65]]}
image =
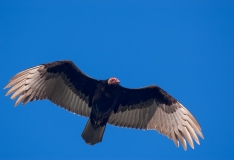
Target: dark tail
{"points": [[92, 135]]}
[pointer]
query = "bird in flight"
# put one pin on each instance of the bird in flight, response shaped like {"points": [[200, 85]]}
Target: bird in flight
{"points": [[105, 101]]}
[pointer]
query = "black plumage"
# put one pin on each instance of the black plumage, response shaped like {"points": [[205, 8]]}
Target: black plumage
{"points": [[105, 101]]}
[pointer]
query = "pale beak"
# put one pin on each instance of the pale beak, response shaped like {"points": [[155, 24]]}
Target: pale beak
{"points": [[117, 81]]}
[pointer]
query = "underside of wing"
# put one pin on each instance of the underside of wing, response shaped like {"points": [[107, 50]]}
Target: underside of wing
{"points": [[61, 82], [151, 108]]}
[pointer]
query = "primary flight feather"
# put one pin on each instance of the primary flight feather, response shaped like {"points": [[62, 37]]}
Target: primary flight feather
{"points": [[105, 101]]}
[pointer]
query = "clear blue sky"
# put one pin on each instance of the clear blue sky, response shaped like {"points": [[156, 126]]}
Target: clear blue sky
{"points": [[187, 48]]}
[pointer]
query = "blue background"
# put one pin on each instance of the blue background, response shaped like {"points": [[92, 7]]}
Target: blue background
{"points": [[187, 48]]}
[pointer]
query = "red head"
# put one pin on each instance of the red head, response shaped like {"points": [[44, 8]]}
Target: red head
{"points": [[112, 81]]}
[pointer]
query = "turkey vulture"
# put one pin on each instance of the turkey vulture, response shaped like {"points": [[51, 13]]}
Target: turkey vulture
{"points": [[105, 101]]}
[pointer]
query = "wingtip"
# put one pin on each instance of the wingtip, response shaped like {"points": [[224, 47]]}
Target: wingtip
{"points": [[16, 104], [6, 86], [202, 136], [191, 145], [8, 93]]}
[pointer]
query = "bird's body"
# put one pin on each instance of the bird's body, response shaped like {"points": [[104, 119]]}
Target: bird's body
{"points": [[105, 101]]}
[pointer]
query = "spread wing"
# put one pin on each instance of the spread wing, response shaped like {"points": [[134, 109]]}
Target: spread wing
{"points": [[61, 82], [153, 108]]}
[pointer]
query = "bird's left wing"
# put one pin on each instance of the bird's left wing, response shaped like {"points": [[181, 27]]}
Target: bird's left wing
{"points": [[153, 108], [61, 82]]}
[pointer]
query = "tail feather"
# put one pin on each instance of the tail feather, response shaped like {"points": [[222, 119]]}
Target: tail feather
{"points": [[93, 135]]}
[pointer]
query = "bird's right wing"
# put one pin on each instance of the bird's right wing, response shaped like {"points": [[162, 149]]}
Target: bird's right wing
{"points": [[153, 108], [61, 82]]}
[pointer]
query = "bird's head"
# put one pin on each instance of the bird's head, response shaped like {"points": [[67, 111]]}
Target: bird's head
{"points": [[113, 81]]}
